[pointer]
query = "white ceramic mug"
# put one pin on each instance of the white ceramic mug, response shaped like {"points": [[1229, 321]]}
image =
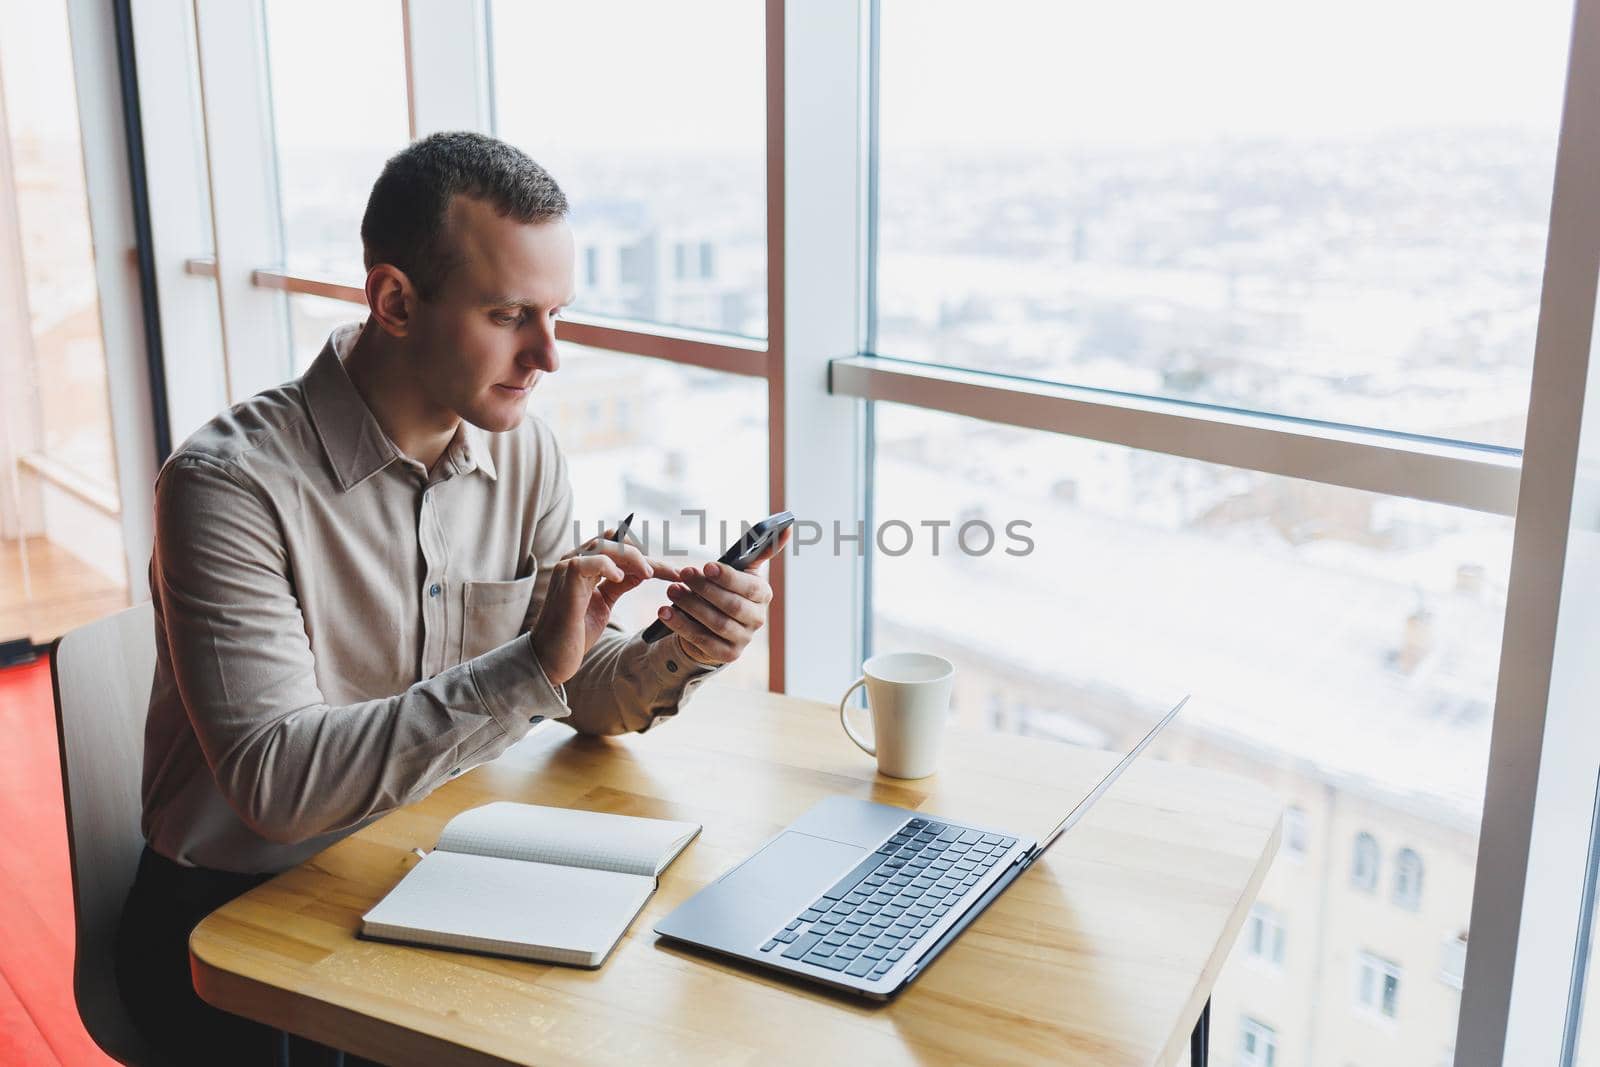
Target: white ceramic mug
{"points": [[908, 694]]}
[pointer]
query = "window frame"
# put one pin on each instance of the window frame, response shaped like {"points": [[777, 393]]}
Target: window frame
{"points": [[1266, 921], [1365, 853], [1408, 874], [1296, 832], [1384, 972], [1255, 1028]]}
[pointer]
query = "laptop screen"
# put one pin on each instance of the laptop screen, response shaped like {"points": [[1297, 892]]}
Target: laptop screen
{"points": [[1083, 806]]}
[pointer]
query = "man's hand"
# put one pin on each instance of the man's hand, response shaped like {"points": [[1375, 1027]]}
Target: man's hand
{"points": [[584, 586], [717, 610]]}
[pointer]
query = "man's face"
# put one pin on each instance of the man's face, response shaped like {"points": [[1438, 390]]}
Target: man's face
{"points": [[487, 337]]}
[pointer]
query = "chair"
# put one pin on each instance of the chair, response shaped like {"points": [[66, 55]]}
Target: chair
{"points": [[102, 674]]}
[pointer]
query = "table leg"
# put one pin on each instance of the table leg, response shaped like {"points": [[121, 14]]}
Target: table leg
{"points": [[1200, 1038]]}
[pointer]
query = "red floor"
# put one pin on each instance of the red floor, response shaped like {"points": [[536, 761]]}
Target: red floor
{"points": [[38, 1020]]}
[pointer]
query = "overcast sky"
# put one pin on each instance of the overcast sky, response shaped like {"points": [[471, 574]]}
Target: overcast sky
{"points": [[620, 75], [615, 75]]}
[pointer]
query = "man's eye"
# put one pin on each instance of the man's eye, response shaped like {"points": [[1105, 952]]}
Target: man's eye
{"points": [[507, 319]]}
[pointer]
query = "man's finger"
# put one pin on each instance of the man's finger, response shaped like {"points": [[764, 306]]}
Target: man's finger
{"points": [[707, 614], [750, 586], [630, 559], [715, 649], [663, 569], [592, 568], [742, 609]]}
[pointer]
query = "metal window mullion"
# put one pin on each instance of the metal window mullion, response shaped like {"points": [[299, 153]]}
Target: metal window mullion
{"points": [[1545, 743], [195, 367], [816, 87], [447, 65], [728, 358], [236, 106], [1468, 476]]}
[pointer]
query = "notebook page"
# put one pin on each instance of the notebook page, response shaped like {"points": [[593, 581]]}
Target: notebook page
{"points": [[562, 914], [622, 843]]}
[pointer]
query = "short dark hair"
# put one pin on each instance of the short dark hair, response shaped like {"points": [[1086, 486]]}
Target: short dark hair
{"points": [[405, 220]]}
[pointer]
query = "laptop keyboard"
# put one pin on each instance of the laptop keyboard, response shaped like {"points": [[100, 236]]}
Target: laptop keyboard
{"points": [[873, 915]]}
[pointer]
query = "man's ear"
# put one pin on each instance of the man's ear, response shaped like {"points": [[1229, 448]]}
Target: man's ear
{"points": [[391, 298]]}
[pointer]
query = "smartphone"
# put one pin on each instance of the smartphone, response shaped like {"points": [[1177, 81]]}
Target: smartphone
{"points": [[744, 552]]}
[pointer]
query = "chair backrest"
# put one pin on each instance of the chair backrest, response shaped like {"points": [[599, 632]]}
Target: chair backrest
{"points": [[102, 674]]}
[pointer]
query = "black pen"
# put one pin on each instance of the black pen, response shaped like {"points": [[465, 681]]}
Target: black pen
{"points": [[620, 536]]}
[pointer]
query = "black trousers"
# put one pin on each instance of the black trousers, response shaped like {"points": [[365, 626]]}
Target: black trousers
{"points": [[168, 901]]}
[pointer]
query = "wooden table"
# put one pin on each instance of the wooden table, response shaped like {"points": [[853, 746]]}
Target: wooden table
{"points": [[1103, 953]]}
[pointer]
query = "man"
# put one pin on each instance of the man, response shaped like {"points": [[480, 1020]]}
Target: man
{"points": [[359, 579]]}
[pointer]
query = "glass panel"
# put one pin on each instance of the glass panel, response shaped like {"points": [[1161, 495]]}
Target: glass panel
{"points": [[637, 439], [311, 320], [1326, 211], [339, 111], [659, 139], [61, 552], [1342, 648]]}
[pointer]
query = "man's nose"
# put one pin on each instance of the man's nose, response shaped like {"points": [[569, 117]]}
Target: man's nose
{"points": [[542, 354]]}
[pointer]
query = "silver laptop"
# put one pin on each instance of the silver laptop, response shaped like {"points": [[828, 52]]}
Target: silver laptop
{"points": [[863, 896]]}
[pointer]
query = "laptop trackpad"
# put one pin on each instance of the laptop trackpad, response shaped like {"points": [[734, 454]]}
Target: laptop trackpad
{"points": [[745, 905]]}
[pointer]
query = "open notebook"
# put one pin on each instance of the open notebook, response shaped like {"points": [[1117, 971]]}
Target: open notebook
{"points": [[551, 884]]}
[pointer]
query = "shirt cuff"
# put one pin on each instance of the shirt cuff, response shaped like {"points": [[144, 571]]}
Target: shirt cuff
{"points": [[514, 688], [673, 667]]}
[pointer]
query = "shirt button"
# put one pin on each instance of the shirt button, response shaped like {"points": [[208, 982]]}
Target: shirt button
{"points": [[455, 772], [433, 590], [672, 665]]}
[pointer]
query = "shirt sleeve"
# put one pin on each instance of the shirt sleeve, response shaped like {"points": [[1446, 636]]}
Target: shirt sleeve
{"points": [[289, 763], [623, 684]]}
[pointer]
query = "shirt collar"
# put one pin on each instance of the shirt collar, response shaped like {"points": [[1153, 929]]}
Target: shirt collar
{"points": [[469, 451], [356, 446]]}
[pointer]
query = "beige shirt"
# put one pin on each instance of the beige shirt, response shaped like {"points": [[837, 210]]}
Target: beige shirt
{"points": [[339, 631]]}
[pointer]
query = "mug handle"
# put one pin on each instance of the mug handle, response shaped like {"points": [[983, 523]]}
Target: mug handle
{"points": [[869, 749]]}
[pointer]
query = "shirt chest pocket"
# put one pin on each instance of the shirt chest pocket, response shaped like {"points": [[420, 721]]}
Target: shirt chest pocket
{"points": [[492, 613]]}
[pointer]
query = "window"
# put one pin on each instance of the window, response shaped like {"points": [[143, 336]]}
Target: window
{"points": [[1377, 984], [338, 112], [1264, 935], [311, 320], [1294, 832], [689, 480], [1298, 251], [660, 143], [1258, 1044], [62, 364], [1408, 879], [1364, 863], [1144, 575], [62, 559]]}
